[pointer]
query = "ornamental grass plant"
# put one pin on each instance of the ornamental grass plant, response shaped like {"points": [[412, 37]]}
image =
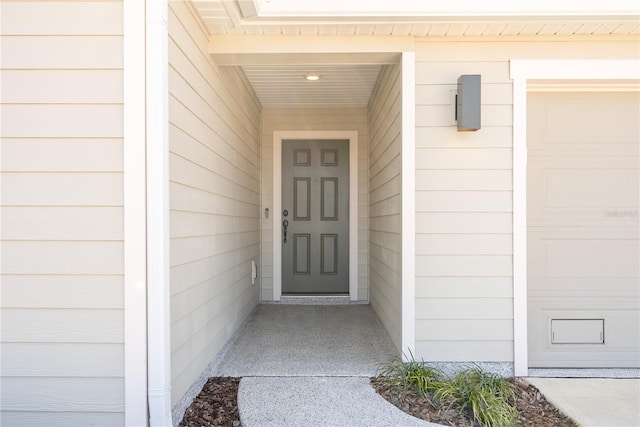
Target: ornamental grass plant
{"points": [[485, 396]]}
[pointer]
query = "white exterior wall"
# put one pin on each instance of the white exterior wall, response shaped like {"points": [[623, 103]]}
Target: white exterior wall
{"points": [[464, 282], [385, 208], [214, 196], [62, 214], [308, 119]]}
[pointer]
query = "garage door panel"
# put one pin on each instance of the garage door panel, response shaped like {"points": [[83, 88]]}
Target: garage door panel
{"points": [[592, 188], [586, 287], [570, 118], [605, 259], [577, 261], [610, 196], [559, 197], [583, 235], [621, 332]]}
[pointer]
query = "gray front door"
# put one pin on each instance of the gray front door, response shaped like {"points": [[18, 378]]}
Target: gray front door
{"points": [[315, 217]]}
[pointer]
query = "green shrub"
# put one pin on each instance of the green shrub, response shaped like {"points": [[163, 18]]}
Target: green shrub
{"points": [[486, 395], [411, 373]]}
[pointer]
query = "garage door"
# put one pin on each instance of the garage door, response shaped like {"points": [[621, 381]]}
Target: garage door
{"points": [[583, 229]]}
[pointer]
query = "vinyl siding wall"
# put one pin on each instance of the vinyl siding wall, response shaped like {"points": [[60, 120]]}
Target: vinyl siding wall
{"points": [[62, 214], [464, 284], [385, 200], [308, 119], [214, 199]]}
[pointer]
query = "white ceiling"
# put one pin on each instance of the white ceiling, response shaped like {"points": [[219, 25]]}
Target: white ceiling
{"points": [[282, 85], [285, 85]]}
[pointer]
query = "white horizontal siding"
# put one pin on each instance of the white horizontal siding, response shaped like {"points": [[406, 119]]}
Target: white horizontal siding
{"points": [[465, 351], [72, 18], [62, 213], [214, 172], [62, 326], [464, 309], [463, 180], [468, 329], [62, 223], [61, 154], [72, 360], [62, 189], [62, 86], [385, 201], [462, 244], [470, 287], [44, 52], [61, 120], [61, 291], [464, 196], [44, 394], [56, 257], [67, 418], [314, 119]]}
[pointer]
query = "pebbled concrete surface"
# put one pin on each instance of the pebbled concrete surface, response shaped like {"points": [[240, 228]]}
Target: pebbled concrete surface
{"points": [[317, 401], [309, 340], [309, 365]]}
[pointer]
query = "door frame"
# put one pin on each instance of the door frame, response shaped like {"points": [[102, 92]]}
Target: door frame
{"points": [[352, 137], [559, 75]]}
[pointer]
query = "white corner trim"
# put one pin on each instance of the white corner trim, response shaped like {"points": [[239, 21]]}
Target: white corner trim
{"points": [[353, 215], [520, 346], [277, 214], [521, 72], [408, 203], [135, 244], [159, 327], [352, 136]]}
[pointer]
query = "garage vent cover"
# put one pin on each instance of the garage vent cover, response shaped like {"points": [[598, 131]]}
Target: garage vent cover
{"points": [[577, 331]]}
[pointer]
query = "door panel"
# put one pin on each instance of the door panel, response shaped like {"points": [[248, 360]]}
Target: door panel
{"points": [[315, 203], [583, 233]]}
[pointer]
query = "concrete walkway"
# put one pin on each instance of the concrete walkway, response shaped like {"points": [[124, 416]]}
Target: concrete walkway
{"points": [[594, 402], [317, 401], [308, 365]]}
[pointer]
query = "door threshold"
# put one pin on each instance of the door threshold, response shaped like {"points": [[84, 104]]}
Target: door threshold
{"points": [[315, 300]]}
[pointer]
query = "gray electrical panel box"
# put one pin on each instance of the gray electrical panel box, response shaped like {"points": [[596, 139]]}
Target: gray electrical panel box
{"points": [[468, 103]]}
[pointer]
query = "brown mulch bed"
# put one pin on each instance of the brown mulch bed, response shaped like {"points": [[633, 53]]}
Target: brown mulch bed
{"points": [[533, 409], [217, 405]]}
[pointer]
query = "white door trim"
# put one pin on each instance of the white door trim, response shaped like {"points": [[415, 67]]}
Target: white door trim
{"points": [[521, 72], [352, 136]]}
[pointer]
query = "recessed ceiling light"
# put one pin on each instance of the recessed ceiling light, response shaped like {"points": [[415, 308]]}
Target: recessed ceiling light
{"points": [[312, 77]]}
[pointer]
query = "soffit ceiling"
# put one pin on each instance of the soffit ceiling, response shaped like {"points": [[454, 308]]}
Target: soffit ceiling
{"points": [[282, 85], [340, 85], [239, 17]]}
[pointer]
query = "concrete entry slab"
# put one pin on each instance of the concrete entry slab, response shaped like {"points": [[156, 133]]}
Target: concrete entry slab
{"points": [[594, 402], [309, 340]]}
